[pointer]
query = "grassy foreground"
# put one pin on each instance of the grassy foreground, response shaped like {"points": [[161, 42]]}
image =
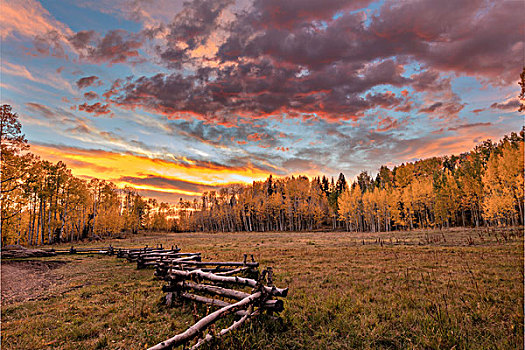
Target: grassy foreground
{"points": [[421, 289]]}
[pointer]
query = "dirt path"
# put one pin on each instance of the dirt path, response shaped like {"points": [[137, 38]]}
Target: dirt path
{"points": [[28, 279]]}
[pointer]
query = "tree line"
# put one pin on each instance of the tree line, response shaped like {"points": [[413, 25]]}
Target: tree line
{"points": [[478, 188], [43, 203]]}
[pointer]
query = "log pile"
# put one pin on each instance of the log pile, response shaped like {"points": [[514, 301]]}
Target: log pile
{"points": [[101, 250], [19, 252], [132, 254], [220, 285], [233, 287]]}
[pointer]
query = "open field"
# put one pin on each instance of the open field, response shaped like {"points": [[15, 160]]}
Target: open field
{"points": [[422, 289]]}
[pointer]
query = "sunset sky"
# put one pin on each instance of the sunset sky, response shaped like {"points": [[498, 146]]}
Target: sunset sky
{"points": [[179, 97]]}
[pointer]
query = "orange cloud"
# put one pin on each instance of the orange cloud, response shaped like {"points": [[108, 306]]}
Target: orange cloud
{"points": [[29, 19], [463, 141]]}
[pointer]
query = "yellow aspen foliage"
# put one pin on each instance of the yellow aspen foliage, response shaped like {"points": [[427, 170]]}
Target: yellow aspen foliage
{"points": [[503, 185], [394, 200], [350, 207], [383, 215], [447, 197], [404, 175]]}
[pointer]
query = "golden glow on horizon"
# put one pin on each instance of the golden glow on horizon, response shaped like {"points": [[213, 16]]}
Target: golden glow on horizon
{"points": [[114, 167], [159, 189]]}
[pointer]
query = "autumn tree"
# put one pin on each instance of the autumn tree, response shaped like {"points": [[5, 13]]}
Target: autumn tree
{"points": [[503, 185], [42, 202]]}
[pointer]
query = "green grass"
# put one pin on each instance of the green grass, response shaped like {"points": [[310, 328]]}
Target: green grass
{"points": [[436, 293]]}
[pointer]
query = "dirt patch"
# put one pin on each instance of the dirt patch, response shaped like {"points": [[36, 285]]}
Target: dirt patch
{"points": [[28, 279]]}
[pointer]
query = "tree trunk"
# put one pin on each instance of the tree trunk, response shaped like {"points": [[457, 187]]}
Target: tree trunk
{"points": [[42, 216]]}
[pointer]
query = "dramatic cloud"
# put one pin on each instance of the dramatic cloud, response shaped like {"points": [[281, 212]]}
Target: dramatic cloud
{"points": [[117, 46], [190, 95], [88, 81], [510, 105], [90, 95], [163, 183], [318, 62], [95, 108], [180, 175], [258, 90]]}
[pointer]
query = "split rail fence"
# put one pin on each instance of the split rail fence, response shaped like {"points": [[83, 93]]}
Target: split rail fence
{"points": [[234, 287]]}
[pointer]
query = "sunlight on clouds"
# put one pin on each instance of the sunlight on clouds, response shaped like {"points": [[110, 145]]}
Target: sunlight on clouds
{"points": [[52, 80], [113, 166], [28, 18], [159, 189]]}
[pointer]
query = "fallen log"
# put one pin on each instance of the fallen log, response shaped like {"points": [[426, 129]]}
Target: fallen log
{"points": [[18, 252], [169, 256], [142, 262], [208, 288], [234, 271], [272, 305], [135, 254], [162, 272], [221, 263], [282, 292], [203, 323], [236, 324]]}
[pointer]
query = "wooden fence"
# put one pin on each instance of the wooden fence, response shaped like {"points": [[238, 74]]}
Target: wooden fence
{"points": [[233, 287]]}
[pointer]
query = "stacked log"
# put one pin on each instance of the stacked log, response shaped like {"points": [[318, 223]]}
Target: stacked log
{"points": [[187, 278], [95, 250], [18, 252], [158, 259], [110, 250], [225, 285], [134, 254]]}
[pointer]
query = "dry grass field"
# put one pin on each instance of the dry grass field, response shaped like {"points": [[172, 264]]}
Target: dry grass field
{"points": [[449, 289]]}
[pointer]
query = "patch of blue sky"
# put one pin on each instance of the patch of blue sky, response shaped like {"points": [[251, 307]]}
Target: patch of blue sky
{"points": [[337, 15], [383, 88], [25, 90], [411, 68], [466, 86], [371, 10], [105, 72], [479, 96], [149, 124], [41, 134], [82, 17]]}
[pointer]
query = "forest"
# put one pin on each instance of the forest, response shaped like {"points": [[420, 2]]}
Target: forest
{"points": [[479, 188], [43, 203]]}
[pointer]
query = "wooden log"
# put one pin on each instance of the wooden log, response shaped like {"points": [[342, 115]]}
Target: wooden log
{"points": [[221, 263], [175, 258], [235, 325], [272, 305], [282, 292], [233, 272], [162, 270], [147, 253], [163, 253], [203, 323], [215, 270], [148, 261], [224, 292], [205, 300]]}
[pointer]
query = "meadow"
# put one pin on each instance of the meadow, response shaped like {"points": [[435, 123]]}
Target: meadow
{"points": [[421, 289]]}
